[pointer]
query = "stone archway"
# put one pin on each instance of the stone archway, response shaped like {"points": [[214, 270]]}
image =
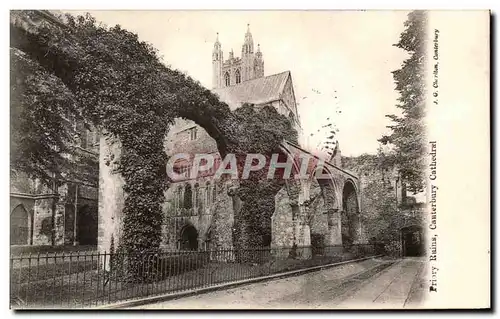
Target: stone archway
{"points": [[350, 215], [20, 226], [136, 161]]}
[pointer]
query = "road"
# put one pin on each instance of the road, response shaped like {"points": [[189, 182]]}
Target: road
{"points": [[370, 284]]}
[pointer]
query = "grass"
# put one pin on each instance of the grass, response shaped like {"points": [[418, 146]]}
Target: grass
{"points": [[82, 284]]}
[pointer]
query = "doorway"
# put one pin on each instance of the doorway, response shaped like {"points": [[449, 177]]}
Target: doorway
{"points": [[412, 241], [189, 238]]}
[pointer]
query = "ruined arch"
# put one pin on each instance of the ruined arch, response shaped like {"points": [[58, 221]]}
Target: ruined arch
{"points": [[188, 237], [141, 159], [21, 226], [330, 193]]}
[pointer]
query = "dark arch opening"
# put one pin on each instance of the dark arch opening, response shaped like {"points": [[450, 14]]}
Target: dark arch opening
{"points": [[20, 226], [350, 220], [87, 225], [412, 241], [227, 79], [189, 238], [238, 76], [207, 193]]}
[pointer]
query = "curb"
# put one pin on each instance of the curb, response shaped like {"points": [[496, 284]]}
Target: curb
{"points": [[177, 295]]}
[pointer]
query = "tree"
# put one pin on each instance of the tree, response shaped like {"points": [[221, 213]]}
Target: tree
{"points": [[408, 130], [42, 112]]}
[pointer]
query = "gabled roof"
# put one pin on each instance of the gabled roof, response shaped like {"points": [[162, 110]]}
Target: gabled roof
{"points": [[256, 91]]}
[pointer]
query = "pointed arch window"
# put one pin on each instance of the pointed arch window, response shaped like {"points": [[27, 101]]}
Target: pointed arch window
{"points": [[188, 197], [20, 226], [238, 76], [227, 79]]}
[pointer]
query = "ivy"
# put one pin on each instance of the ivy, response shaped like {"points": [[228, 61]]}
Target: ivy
{"points": [[120, 84], [408, 130]]}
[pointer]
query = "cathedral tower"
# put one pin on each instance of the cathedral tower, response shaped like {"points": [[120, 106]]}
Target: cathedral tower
{"points": [[247, 56], [217, 61], [235, 70]]}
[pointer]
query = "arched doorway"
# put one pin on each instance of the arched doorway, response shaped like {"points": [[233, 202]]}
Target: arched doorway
{"points": [[189, 238], [350, 218], [87, 225], [20, 226], [412, 241]]}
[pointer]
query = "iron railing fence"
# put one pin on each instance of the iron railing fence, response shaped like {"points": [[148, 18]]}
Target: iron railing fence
{"points": [[91, 279]]}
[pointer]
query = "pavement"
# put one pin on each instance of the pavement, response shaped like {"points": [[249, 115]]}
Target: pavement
{"points": [[370, 284]]}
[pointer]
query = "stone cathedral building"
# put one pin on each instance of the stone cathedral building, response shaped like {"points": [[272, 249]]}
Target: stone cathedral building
{"points": [[64, 213]]}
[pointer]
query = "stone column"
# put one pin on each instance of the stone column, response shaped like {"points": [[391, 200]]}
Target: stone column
{"points": [[43, 229], [360, 237], [303, 234], [60, 215], [334, 236], [222, 221], [111, 195]]}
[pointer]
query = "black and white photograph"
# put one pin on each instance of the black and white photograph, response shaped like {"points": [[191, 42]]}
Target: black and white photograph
{"points": [[169, 159]]}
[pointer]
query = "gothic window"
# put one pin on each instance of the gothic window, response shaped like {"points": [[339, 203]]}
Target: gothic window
{"points": [[238, 76], [207, 193], [188, 197], [214, 193], [196, 196], [227, 79]]}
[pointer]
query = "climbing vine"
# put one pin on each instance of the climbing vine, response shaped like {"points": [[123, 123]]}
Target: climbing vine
{"points": [[121, 85]]}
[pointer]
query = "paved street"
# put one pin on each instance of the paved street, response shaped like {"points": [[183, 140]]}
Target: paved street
{"points": [[368, 284]]}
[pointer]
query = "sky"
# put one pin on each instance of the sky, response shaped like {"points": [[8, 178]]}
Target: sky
{"points": [[340, 61]]}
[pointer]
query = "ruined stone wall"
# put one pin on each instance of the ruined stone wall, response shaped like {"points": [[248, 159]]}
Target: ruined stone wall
{"points": [[282, 221], [51, 212]]}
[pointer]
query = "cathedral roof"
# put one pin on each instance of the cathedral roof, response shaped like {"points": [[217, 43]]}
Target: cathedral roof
{"points": [[257, 91]]}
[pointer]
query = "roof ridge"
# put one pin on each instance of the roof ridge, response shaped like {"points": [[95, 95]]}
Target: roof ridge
{"points": [[252, 80], [256, 91]]}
